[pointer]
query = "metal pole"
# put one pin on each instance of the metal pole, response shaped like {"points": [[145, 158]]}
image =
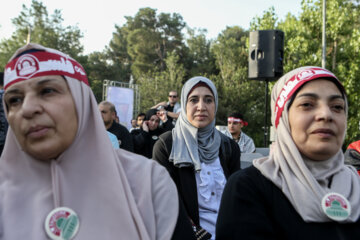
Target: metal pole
{"points": [[266, 113], [323, 59], [28, 40]]}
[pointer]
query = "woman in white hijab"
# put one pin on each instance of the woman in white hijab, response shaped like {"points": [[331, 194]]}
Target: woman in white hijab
{"points": [[60, 178], [198, 157], [302, 190]]}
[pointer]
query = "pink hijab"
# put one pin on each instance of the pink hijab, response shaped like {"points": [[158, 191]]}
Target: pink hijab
{"points": [[116, 194], [303, 181]]}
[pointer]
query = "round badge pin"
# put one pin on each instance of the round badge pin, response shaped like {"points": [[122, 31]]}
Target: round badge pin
{"points": [[62, 224], [336, 206], [155, 137]]}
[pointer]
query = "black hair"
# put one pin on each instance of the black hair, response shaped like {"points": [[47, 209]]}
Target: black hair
{"points": [[150, 113], [140, 115], [236, 115]]}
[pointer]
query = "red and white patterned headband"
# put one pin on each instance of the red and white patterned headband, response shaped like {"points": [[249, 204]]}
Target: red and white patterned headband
{"points": [[232, 119], [42, 63], [294, 83]]}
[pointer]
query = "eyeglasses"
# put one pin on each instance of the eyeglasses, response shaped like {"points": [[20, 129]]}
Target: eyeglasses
{"points": [[172, 96]]}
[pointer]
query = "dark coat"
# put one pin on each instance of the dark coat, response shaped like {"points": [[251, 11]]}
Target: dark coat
{"points": [[252, 207], [145, 141], [123, 135], [184, 177]]}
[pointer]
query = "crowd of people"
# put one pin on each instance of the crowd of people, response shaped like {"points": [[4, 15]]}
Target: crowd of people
{"points": [[69, 170]]}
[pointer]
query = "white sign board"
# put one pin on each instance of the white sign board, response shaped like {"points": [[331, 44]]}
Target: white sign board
{"points": [[123, 99]]}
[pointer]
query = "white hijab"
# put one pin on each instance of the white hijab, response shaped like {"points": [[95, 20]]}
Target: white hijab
{"points": [[303, 181], [99, 183]]}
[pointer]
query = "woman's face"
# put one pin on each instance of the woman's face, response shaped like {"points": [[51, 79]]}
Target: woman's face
{"points": [[42, 115], [200, 107], [153, 122], [317, 119]]}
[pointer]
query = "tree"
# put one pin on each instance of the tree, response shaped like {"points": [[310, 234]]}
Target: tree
{"points": [[154, 86], [200, 60], [144, 41], [45, 30], [266, 22]]}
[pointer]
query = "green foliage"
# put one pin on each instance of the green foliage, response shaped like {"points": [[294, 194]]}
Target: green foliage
{"points": [[45, 30], [266, 22], [97, 88], [200, 60], [154, 86], [145, 41], [151, 48]]}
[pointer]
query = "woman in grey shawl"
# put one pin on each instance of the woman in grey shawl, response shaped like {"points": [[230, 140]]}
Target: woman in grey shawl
{"points": [[302, 190], [198, 157]]}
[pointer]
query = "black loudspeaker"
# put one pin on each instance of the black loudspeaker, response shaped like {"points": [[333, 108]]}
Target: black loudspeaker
{"points": [[266, 52]]}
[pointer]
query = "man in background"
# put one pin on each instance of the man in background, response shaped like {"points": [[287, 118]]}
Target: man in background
{"points": [[235, 124], [133, 125], [172, 107], [107, 110], [139, 120]]}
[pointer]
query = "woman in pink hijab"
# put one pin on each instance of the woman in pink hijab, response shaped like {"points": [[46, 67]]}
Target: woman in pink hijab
{"points": [[60, 178], [303, 190]]}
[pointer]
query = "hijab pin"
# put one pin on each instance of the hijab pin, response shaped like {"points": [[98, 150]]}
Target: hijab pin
{"points": [[336, 206], [62, 224]]}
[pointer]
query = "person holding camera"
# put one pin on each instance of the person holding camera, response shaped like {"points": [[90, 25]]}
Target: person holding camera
{"points": [[149, 132], [172, 107]]}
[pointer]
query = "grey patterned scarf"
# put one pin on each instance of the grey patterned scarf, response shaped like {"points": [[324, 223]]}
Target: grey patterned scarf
{"points": [[192, 145]]}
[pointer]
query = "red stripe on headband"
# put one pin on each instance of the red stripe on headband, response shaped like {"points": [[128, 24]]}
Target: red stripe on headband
{"points": [[232, 119], [294, 83], [42, 63]]}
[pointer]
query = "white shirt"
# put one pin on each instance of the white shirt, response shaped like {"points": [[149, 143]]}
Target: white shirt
{"points": [[210, 183], [246, 144]]}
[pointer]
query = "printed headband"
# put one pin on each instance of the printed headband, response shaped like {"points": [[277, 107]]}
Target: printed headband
{"points": [[294, 83], [232, 119], [42, 63]]}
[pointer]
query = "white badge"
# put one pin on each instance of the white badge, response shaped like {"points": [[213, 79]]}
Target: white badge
{"points": [[336, 206], [62, 224]]}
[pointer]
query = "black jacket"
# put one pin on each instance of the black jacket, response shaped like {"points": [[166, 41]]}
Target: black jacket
{"points": [[144, 141], [184, 177], [253, 208], [123, 135]]}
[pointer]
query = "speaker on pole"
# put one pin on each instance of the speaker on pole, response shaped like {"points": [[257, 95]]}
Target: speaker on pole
{"points": [[266, 52]]}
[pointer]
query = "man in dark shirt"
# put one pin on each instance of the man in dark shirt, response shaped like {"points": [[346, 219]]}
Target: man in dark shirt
{"points": [[172, 107], [107, 110]]}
